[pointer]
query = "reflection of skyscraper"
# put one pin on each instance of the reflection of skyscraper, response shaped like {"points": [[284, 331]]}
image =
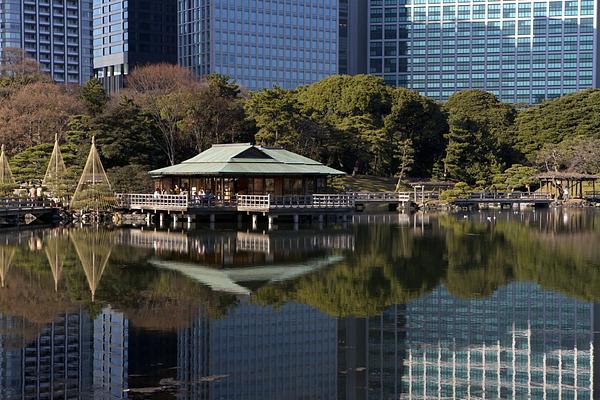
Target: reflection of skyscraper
{"points": [[11, 329], [520, 342], [56, 365], [258, 352], [110, 355]]}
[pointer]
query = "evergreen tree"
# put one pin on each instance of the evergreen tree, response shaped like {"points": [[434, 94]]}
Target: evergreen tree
{"points": [[93, 96]]}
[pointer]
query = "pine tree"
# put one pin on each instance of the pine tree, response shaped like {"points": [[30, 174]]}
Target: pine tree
{"points": [[94, 96], [56, 173], [94, 192], [7, 181]]}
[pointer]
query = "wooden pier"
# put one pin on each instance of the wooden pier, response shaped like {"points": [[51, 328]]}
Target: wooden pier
{"points": [[315, 204]]}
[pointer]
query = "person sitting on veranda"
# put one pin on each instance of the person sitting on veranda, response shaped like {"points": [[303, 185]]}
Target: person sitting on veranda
{"points": [[177, 189], [157, 194]]}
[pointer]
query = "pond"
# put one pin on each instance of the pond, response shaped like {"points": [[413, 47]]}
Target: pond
{"points": [[469, 305]]}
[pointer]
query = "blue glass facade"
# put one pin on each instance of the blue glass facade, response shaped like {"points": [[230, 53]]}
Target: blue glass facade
{"points": [[55, 365], [260, 353], [56, 34], [260, 43], [111, 339], [128, 33], [522, 51], [521, 342]]}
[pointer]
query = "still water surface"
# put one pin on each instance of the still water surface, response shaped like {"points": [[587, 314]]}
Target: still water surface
{"points": [[482, 305]]}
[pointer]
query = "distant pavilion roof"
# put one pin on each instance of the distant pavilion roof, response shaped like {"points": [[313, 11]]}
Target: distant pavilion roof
{"points": [[246, 159], [572, 176]]}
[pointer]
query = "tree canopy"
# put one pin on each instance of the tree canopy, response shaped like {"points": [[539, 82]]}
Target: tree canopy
{"points": [[357, 124]]}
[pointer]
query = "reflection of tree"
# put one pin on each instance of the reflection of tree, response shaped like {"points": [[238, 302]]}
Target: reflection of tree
{"points": [[6, 256], [30, 298], [150, 298], [483, 257], [93, 248], [389, 266], [56, 250], [472, 259]]}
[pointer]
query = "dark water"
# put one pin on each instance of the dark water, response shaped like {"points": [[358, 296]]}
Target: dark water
{"points": [[499, 305]]}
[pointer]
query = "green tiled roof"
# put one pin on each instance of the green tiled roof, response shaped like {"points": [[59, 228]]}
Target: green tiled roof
{"points": [[246, 159]]}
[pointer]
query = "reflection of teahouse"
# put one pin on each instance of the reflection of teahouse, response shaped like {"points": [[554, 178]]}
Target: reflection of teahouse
{"points": [[228, 169], [566, 185]]}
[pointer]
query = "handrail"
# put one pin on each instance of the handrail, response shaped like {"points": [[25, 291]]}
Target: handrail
{"points": [[266, 202], [25, 203], [507, 196], [152, 201]]}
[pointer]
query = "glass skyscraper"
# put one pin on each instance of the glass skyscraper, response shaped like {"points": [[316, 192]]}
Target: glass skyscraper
{"points": [[522, 51], [55, 33], [128, 33], [260, 43]]}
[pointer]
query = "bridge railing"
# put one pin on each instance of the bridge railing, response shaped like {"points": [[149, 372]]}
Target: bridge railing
{"points": [[508, 196], [25, 203], [380, 196], [592, 194]]}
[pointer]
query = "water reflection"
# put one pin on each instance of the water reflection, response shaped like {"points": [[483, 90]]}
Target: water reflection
{"points": [[483, 305]]}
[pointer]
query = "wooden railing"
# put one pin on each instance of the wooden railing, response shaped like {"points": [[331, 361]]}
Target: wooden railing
{"points": [[261, 203], [505, 197], [211, 201], [269, 202], [254, 202], [592, 194], [509, 196], [25, 203], [167, 202], [372, 197]]}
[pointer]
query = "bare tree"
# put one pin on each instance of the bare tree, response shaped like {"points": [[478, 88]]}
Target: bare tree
{"points": [[35, 114], [166, 93]]}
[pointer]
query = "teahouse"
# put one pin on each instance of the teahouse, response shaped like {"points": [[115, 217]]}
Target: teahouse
{"points": [[225, 170]]}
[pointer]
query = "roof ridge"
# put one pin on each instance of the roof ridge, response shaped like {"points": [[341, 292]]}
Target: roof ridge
{"points": [[231, 144]]}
